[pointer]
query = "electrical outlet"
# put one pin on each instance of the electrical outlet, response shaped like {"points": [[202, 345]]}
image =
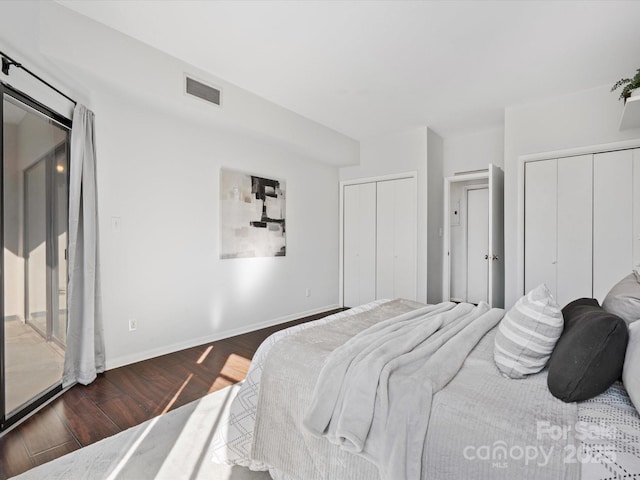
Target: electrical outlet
{"points": [[133, 324], [307, 292]]}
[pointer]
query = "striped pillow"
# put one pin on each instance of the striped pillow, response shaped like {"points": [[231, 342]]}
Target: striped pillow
{"points": [[528, 333]]}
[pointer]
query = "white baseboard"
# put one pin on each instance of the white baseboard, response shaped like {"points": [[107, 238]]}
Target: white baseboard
{"points": [[123, 360]]}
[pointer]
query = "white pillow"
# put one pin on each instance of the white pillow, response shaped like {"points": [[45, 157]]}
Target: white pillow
{"points": [[631, 368], [624, 298], [528, 333]]}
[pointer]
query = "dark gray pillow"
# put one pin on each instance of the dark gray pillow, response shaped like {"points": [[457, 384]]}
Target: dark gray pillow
{"points": [[589, 355], [624, 298]]}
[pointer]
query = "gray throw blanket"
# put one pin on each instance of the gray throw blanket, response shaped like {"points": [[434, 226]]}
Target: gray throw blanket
{"points": [[373, 396]]}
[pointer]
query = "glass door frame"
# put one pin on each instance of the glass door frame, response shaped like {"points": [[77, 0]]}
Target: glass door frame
{"points": [[26, 409]]}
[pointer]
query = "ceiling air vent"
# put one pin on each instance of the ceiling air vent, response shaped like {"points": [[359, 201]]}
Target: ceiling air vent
{"points": [[202, 91]]}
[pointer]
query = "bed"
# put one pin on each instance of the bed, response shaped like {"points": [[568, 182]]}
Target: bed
{"points": [[447, 413]]}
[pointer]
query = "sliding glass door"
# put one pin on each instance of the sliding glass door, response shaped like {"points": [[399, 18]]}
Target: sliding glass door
{"points": [[35, 150]]}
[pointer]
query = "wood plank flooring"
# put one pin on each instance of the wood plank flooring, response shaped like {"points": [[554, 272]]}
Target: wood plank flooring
{"points": [[129, 395]]}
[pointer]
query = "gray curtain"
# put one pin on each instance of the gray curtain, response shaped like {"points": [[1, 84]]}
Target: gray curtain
{"points": [[84, 357]]}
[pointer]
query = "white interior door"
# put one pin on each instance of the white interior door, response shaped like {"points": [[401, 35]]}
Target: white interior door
{"points": [[359, 244], [496, 237], [540, 224], [575, 246], [612, 219], [477, 245]]}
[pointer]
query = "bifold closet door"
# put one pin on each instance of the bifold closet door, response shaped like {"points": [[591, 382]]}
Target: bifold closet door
{"points": [[540, 224], [359, 244], [558, 227], [612, 219], [396, 239], [575, 247]]}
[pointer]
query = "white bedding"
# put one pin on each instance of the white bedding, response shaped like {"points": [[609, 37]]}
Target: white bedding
{"points": [[476, 412], [608, 426]]}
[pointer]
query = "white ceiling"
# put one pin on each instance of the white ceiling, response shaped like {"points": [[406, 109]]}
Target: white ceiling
{"points": [[365, 68]]}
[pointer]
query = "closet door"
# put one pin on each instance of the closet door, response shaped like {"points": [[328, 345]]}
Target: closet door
{"points": [[540, 224], [574, 229], [396, 239], [612, 219], [359, 247]]}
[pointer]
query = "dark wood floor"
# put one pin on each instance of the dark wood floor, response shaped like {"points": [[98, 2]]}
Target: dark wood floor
{"points": [[126, 396]]}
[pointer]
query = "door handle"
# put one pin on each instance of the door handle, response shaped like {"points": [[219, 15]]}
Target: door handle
{"points": [[495, 257], [486, 257]]}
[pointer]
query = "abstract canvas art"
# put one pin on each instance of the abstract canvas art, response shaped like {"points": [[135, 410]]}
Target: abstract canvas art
{"points": [[252, 215]]}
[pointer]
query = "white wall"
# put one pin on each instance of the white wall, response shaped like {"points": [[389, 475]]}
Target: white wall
{"points": [[159, 155], [582, 119], [398, 153], [20, 35], [162, 267], [475, 151]]}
